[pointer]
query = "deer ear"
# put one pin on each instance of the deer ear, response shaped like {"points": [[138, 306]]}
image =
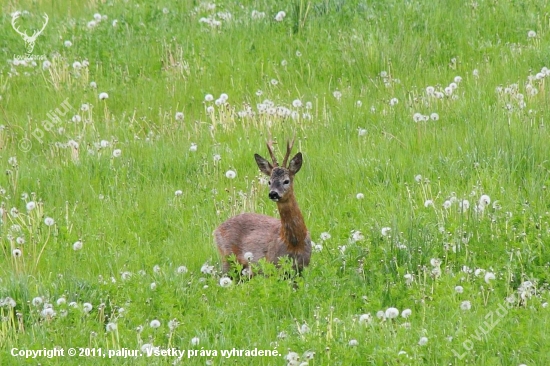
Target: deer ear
{"points": [[295, 164], [264, 165]]}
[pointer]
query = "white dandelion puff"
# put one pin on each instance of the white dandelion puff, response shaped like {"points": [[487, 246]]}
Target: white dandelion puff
{"points": [[77, 245], [465, 305], [49, 221], [225, 282], [103, 96], [230, 174], [117, 153], [154, 324]]}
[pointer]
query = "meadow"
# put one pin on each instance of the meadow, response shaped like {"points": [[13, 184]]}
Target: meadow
{"points": [[128, 135]]}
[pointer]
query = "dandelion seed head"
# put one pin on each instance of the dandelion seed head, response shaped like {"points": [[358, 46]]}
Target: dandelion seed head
{"points": [[49, 221], [77, 245], [103, 96], [117, 153], [230, 174], [179, 116], [225, 282], [465, 305], [423, 341], [406, 313], [154, 324], [391, 313]]}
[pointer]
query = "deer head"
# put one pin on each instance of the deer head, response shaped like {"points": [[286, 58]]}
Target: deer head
{"points": [[281, 177], [29, 40]]}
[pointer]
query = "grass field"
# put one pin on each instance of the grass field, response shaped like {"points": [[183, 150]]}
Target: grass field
{"points": [[424, 130]]}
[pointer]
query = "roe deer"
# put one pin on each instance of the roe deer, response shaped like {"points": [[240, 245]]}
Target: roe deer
{"points": [[264, 236]]}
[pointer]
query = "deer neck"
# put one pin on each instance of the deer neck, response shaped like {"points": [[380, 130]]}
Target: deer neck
{"points": [[293, 227]]}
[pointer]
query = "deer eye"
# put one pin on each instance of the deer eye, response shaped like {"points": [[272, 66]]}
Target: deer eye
{"points": [[286, 181], [269, 183]]}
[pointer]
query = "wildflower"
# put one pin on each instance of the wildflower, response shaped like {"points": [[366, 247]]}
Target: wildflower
{"points": [[406, 313], [230, 174], [435, 262], [93, 85], [394, 101], [357, 236], [362, 132], [37, 301], [87, 307], [225, 282], [61, 301], [46, 65], [359, 103], [428, 203], [292, 357], [67, 44], [153, 286], [154, 324], [274, 82], [181, 269], [77, 245], [179, 116], [126, 275], [281, 335], [207, 269], [47, 313], [337, 94], [117, 153], [217, 157], [360, 196], [110, 327], [459, 289], [103, 96], [430, 90], [423, 341], [365, 319], [193, 147], [304, 329], [531, 34], [317, 247], [195, 341], [449, 91], [418, 117], [392, 313], [209, 109], [77, 65], [172, 324], [465, 204], [297, 103], [353, 343], [465, 305], [381, 314], [115, 23], [280, 16], [489, 276], [224, 97], [484, 200], [475, 72], [434, 116], [385, 231], [447, 204], [31, 205], [453, 86], [49, 221], [248, 256], [408, 278], [325, 236]]}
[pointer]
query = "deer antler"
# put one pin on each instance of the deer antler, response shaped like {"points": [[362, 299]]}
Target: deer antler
{"points": [[14, 17], [270, 149], [37, 33], [289, 145]]}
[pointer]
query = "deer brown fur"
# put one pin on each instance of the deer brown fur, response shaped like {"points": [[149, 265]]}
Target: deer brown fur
{"points": [[265, 236]]}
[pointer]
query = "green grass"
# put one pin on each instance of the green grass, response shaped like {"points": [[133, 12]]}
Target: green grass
{"points": [[491, 138]]}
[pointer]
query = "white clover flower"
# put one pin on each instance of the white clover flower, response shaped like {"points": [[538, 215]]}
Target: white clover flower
{"points": [[385, 231], [280, 16], [406, 313], [195, 341], [230, 174], [391, 313], [489, 276], [360, 196], [459, 289], [465, 305], [325, 236], [117, 153], [77, 245], [103, 96], [225, 282], [179, 116], [423, 341], [49, 221], [154, 324]]}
